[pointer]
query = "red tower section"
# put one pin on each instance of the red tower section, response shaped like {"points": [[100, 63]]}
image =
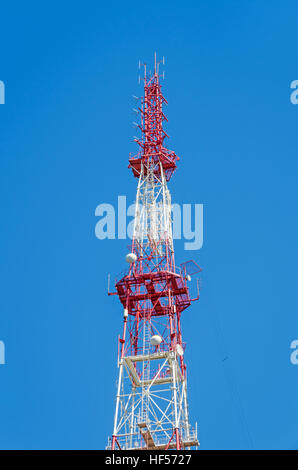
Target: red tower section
{"points": [[152, 149]]}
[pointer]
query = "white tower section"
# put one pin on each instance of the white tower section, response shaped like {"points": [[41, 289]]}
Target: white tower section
{"points": [[153, 222], [151, 401]]}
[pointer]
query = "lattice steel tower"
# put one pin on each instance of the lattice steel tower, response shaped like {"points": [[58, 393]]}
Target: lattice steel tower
{"points": [[151, 403]]}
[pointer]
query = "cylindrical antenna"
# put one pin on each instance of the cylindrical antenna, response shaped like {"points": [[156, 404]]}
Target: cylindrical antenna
{"points": [[108, 283]]}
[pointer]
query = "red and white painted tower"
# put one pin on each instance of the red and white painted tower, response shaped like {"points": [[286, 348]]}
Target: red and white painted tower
{"points": [[151, 403]]}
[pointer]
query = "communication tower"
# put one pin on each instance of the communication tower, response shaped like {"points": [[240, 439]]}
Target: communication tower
{"points": [[151, 402]]}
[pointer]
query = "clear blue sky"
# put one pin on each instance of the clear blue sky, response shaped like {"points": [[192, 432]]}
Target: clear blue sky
{"points": [[70, 70]]}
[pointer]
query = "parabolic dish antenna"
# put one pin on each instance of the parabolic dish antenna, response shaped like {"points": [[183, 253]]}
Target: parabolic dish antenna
{"points": [[179, 350]]}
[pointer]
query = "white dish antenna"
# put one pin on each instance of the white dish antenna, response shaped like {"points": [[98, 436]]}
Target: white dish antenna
{"points": [[131, 258], [179, 350], [155, 340]]}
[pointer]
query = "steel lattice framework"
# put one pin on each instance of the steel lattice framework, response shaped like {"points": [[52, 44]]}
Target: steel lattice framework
{"points": [[151, 403]]}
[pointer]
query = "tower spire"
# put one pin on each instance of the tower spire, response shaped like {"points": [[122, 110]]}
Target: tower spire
{"points": [[152, 150]]}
